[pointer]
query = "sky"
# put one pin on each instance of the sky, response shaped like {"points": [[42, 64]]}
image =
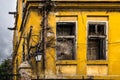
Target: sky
{"points": [[6, 20]]}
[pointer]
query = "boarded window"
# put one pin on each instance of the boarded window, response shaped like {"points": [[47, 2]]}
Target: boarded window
{"points": [[65, 33], [96, 41]]}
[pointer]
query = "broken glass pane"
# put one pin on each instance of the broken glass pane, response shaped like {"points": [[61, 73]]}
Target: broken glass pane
{"points": [[65, 49]]}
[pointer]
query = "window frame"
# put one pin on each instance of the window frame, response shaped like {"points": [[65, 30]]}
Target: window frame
{"points": [[87, 33], [75, 57]]}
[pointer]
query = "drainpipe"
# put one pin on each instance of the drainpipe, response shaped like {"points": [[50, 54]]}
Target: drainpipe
{"points": [[44, 35], [45, 12]]}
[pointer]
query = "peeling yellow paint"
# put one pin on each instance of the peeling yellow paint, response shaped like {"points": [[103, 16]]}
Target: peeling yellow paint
{"points": [[95, 70], [80, 68], [66, 69]]}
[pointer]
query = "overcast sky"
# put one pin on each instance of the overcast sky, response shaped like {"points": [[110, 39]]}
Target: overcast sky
{"points": [[6, 20]]}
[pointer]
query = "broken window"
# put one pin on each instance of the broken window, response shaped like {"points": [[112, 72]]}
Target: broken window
{"points": [[65, 32], [96, 41]]}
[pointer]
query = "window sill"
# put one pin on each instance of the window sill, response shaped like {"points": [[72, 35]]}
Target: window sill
{"points": [[66, 62], [97, 62]]}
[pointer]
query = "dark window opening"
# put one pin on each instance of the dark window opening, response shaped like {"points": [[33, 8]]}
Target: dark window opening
{"points": [[100, 29], [97, 29], [65, 40], [91, 29], [65, 29], [96, 49], [96, 41]]}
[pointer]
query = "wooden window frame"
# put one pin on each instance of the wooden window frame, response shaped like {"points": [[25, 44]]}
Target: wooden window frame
{"points": [[69, 37], [106, 38]]}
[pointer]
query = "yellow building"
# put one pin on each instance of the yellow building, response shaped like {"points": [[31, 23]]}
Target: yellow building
{"points": [[75, 39]]}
